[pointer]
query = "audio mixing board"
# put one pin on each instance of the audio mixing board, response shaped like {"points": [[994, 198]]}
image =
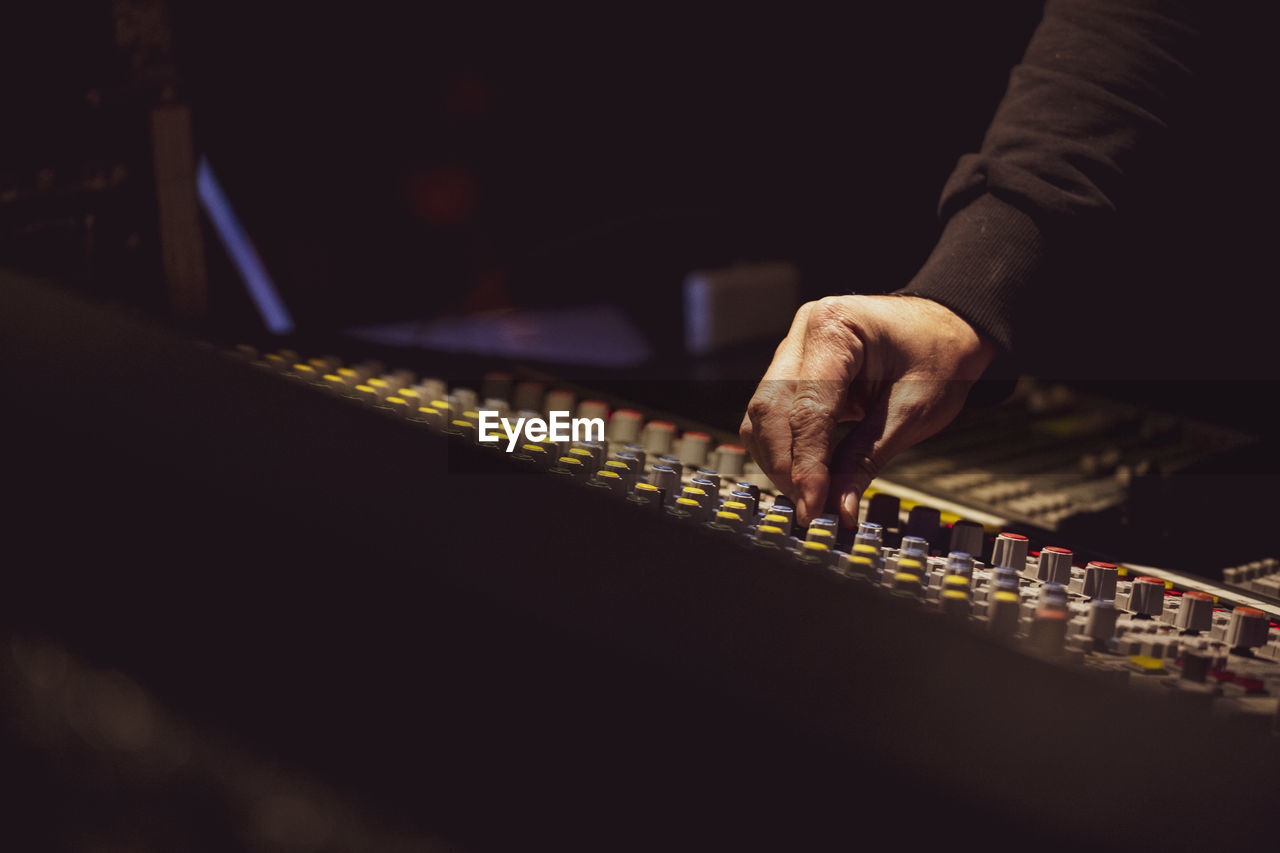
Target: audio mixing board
{"points": [[1150, 627], [625, 644]]}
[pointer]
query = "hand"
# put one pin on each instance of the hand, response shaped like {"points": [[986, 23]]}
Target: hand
{"points": [[897, 367]]}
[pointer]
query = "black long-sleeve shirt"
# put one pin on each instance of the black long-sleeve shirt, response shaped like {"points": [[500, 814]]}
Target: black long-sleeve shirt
{"points": [[1078, 137]]}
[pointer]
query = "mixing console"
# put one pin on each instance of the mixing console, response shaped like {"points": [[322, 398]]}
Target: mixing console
{"points": [[1153, 628]]}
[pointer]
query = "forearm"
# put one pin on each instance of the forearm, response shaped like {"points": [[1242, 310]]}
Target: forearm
{"points": [[1099, 88]]}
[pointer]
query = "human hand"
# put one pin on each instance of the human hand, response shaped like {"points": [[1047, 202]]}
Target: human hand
{"points": [[897, 367]]}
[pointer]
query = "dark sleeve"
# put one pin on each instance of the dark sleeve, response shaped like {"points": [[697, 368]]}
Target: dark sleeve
{"points": [[1099, 86]]}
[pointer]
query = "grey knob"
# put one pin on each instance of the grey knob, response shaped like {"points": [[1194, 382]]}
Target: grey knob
{"points": [[1055, 565], [967, 537], [694, 447], [1248, 628], [1100, 581], [1147, 596], [1101, 621], [625, 425], [657, 437], [731, 460], [1010, 550], [1195, 613]]}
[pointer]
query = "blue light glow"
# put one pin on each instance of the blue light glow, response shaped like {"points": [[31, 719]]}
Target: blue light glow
{"points": [[243, 255]]}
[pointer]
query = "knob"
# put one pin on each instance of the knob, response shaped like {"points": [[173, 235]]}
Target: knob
{"points": [[731, 460], [1055, 565], [1248, 628], [1195, 613], [528, 395], [869, 533], [915, 545], [665, 478], [1101, 621], [593, 409], [1053, 596], [559, 401], [694, 447], [1100, 580], [924, 522], [657, 437], [959, 563], [1003, 610], [1146, 598], [625, 425], [884, 509], [966, 537], [1010, 550]]}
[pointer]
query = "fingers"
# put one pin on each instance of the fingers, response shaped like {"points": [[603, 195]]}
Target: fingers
{"points": [[832, 358], [765, 430], [910, 411]]}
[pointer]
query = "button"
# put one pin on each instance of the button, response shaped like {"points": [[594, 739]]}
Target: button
{"points": [[673, 463], [1146, 598], [1010, 550], [1100, 580], [1055, 565], [686, 508], [1195, 613], [1247, 629]]}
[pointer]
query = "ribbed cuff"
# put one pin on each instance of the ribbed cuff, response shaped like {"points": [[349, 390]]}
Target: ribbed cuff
{"points": [[988, 254]]}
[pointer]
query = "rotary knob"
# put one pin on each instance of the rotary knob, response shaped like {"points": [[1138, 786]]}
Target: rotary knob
{"points": [[1100, 581], [1195, 613], [1010, 550], [1146, 598], [1055, 565], [1248, 628]]}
